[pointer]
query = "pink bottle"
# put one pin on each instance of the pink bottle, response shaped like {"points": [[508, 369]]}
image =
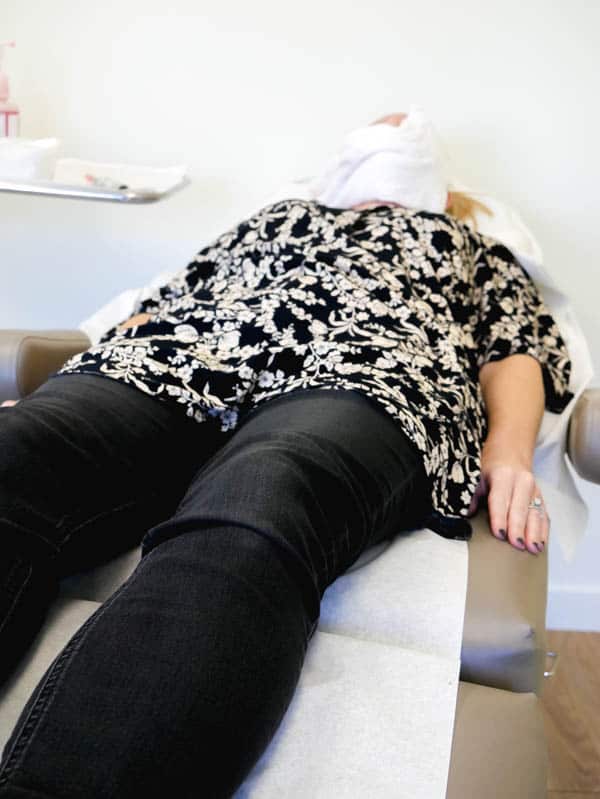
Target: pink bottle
{"points": [[9, 112]]}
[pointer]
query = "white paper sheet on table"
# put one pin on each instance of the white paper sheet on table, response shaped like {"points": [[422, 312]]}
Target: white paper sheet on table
{"points": [[373, 712], [367, 720]]}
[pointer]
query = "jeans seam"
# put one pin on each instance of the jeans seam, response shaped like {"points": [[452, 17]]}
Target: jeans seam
{"points": [[17, 595], [27, 531], [91, 519], [56, 673]]}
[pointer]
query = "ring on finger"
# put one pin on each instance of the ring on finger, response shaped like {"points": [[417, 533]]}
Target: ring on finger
{"points": [[536, 504]]}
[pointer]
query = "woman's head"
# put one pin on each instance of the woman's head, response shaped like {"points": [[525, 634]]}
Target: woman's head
{"points": [[395, 120], [394, 159], [458, 204]]}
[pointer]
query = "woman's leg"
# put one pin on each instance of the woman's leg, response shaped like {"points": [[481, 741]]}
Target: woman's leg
{"points": [[87, 464], [179, 681]]}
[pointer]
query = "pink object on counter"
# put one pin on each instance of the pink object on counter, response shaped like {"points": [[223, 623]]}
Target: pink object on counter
{"points": [[9, 112]]}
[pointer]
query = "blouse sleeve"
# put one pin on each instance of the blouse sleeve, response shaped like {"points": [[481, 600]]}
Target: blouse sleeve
{"points": [[511, 318]]}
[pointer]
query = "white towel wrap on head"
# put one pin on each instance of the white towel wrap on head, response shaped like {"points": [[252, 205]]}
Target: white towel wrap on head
{"points": [[393, 163]]}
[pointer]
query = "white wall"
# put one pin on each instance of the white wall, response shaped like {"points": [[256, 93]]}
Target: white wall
{"points": [[252, 94]]}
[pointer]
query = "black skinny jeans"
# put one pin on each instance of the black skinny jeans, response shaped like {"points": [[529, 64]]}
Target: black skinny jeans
{"points": [[177, 683]]}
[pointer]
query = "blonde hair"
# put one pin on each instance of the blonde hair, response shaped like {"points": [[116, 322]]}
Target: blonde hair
{"points": [[464, 207]]}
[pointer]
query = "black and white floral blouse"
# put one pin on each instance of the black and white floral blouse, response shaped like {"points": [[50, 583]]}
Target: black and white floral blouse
{"points": [[400, 304]]}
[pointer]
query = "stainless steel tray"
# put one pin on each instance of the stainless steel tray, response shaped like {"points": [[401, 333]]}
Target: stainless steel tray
{"points": [[48, 188]]}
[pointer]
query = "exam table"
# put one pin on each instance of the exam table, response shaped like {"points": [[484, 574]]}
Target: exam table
{"points": [[498, 747]]}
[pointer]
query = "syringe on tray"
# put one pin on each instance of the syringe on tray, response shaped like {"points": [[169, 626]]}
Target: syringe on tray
{"points": [[104, 183]]}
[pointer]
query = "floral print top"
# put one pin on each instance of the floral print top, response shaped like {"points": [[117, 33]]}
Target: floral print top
{"points": [[400, 304]]}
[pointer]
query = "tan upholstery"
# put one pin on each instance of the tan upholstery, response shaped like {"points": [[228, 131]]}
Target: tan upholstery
{"points": [[27, 357], [504, 632], [584, 436], [498, 748]]}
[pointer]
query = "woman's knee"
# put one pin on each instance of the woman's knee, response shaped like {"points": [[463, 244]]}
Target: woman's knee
{"points": [[295, 492], [235, 565]]}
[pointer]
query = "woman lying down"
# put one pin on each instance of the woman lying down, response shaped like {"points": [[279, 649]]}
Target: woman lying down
{"points": [[325, 375]]}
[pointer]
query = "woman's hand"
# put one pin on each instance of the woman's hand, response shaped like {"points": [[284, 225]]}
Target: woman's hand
{"points": [[138, 319], [513, 392], [510, 486]]}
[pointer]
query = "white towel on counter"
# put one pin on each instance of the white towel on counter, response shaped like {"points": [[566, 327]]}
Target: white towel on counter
{"points": [[25, 160]]}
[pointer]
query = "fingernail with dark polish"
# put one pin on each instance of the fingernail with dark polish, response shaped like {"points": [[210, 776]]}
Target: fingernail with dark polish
{"points": [[537, 546], [520, 540], [502, 533]]}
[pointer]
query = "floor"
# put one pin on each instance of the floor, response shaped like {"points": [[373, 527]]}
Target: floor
{"points": [[571, 707]]}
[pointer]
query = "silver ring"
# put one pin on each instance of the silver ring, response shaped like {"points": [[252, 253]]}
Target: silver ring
{"points": [[536, 504]]}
